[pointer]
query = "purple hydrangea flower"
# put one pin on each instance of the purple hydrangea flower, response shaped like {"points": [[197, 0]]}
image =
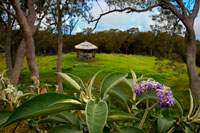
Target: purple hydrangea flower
{"points": [[164, 93]]}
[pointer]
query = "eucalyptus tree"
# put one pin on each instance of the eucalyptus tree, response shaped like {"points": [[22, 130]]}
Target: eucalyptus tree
{"points": [[185, 10], [62, 11], [6, 24], [29, 15]]}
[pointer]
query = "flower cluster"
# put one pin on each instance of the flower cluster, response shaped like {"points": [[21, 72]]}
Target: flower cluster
{"points": [[145, 86], [10, 89], [165, 96], [164, 93]]}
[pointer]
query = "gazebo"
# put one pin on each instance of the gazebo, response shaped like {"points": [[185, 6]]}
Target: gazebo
{"points": [[83, 50]]}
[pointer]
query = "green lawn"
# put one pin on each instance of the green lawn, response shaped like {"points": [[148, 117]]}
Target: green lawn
{"points": [[142, 65]]}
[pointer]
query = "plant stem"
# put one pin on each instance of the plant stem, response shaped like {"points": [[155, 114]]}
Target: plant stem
{"points": [[146, 111]]}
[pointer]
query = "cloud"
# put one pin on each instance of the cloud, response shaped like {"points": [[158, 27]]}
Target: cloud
{"points": [[124, 21], [78, 29]]}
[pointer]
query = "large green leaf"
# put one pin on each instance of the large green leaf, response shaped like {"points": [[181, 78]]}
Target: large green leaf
{"points": [[96, 116], [4, 115], [120, 94], [178, 105], [164, 125], [119, 116], [41, 105], [65, 129], [62, 117], [110, 81], [129, 129], [75, 81], [90, 84]]}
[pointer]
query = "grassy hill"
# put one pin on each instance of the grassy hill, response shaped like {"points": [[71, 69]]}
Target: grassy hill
{"points": [[142, 65]]}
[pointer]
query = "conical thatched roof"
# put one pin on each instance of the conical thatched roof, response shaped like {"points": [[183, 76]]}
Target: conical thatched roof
{"points": [[86, 46]]}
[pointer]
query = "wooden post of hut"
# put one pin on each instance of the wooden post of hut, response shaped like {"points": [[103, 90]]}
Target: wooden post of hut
{"points": [[85, 47]]}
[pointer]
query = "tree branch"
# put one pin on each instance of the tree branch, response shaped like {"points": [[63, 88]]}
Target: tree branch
{"points": [[195, 10], [8, 11], [31, 12], [183, 8], [173, 9], [128, 9]]}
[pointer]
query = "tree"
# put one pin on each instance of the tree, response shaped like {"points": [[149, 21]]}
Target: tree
{"points": [[28, 25], [186, 11], [60, 12], [7, 22]]}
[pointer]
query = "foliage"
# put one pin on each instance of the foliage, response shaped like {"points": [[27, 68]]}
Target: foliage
{"points": [[92, 110], [9, 94]]}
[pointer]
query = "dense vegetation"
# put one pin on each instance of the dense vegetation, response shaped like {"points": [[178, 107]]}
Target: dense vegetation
{"points": [[115, 41]]}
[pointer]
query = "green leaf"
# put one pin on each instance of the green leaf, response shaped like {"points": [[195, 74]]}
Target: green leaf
{"points": [[96, 116], [134, 76], [65, 129], [178, 105], [191, 103], [120, 94], [68, 116], [119, 116], [196, 121], [110, 81], [75, 81], [129, 129], [164, 124], [90, 84], [25, 95], [53, 119], [41, 105], [4, 115], [67, 101], [129, 82]]}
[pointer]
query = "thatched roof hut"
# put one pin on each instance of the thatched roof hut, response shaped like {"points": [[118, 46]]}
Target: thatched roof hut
{"points": [[85, 47]]}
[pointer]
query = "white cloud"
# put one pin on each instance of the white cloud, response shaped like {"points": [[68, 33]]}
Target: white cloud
{"points": [[78, 29], [66, 23], [124, 21]]}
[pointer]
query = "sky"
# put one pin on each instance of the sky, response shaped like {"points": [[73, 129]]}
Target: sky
{"points": [[123, 21]]}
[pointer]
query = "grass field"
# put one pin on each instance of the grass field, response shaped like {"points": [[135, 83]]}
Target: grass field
{"points": [[142, 65]]}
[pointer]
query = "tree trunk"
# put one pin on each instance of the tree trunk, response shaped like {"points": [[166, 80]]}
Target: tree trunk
{"points": [[191, 63], [18, 61], [28, 38], [8, 48], [60, 45]]}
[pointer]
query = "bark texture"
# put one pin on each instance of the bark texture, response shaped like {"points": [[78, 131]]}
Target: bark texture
{"points": [[60, 45]]}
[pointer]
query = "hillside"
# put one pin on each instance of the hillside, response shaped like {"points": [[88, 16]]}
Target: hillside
{"points": [[142, 65]]}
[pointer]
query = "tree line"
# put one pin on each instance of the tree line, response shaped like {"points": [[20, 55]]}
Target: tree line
{"points": [[131, 41]]}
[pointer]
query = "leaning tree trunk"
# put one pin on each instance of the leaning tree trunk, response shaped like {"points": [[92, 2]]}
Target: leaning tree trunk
{"points": [[28, 38], [60, 45], [191, 63], [8, 48], [18, 61]]}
